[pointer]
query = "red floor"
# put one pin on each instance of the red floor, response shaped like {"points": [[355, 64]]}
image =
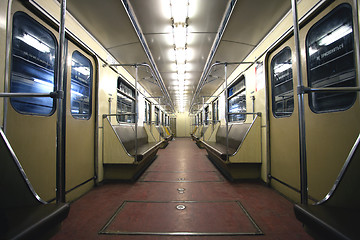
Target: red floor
{"points": [[182, 175]]}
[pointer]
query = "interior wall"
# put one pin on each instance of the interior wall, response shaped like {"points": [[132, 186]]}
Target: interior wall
{"points": [[183, 124]]}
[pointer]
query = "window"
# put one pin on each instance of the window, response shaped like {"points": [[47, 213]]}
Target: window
{"points": [[215, 109], [34, 51], [81, 86], [207, 115], [237, 100], [162, 118], [157, 120], [125, 102], [282, 84], [330, 60], [147, 112], [166, 120]]}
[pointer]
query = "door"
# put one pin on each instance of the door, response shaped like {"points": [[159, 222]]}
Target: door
{"points": [[31, 122], [80, 122], [331, 118], [283, 119]]}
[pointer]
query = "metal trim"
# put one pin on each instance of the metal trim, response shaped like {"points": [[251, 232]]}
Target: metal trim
{"points": [[247, 132], [20, 168], [220, 177], [79, 185], [7, 61], [256, 233], [116, 136], [144, 44], [61, 111], [342, 172], [301, 108]]}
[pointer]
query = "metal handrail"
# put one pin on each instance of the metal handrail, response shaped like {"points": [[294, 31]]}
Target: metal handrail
{"points": [[203, 79], [51, 94], [330, 89], [136, 65]]}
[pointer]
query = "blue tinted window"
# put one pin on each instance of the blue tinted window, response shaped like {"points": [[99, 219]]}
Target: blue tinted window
{"points": [[331, 62], [125, 102], [81, 82], [237, 100], [34, 50], [282, 84]]}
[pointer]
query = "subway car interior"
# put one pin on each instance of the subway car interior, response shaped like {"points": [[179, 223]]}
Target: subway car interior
{"points": [[179, 119]]}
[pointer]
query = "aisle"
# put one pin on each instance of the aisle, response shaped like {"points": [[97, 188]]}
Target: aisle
{"points": [[182, 196]]}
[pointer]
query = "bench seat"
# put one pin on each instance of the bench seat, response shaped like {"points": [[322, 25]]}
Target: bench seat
{"points": [[217, 153], [123, 164], [144, 150], [219, 149]]}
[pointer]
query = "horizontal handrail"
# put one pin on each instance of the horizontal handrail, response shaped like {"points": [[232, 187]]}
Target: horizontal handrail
{"points": [[303, 89], [245, 113], [51, 94], [116, 114]]}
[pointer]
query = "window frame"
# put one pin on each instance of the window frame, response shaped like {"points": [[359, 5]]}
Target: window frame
{"points": [[308, 61], [90, 87], [236, 93], [215, 114], [157, 116], [45, 30], [273, 103], [127, 95]]}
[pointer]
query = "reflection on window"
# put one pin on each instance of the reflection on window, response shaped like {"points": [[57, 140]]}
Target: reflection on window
{"points": [[157, 120], [34, 50], [215, 109], [147, 112], [330, 57], [81, 82], [125, 102], [282, 84], [207, 115], [237, 100]]}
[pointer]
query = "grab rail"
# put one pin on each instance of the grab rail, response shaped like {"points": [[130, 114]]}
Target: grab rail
{"points": [[57, 94], [303, 89]]}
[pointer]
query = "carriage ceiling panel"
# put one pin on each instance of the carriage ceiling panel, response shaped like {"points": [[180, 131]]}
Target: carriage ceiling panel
{"points": [[154, 18], [109, 23], [249, 23]]}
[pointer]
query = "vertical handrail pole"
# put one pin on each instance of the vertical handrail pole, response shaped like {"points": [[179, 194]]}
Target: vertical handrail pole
{"points": [[136, 110], [302, 138], [203, 112], [60, 124], [226, 113]]}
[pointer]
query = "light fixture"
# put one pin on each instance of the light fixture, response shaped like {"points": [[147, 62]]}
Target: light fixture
{"points": [[179, 10], [180, 33]]}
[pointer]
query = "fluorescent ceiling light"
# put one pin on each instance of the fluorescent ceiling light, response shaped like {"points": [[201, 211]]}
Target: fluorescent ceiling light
{"points": [[179, 10], [180, 55], [179, 35]]}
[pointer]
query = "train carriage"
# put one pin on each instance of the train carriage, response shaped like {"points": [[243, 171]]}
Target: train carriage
{"points": [[102, 100]]}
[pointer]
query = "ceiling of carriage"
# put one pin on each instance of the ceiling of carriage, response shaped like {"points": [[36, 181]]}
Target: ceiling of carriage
{"points": [[109, 23]]}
